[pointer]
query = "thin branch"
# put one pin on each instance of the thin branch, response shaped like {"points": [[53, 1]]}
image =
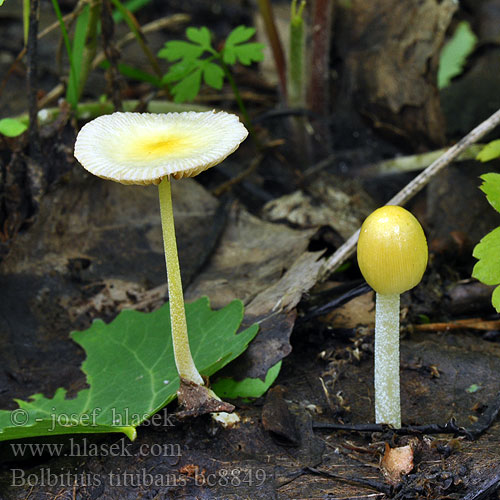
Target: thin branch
{"points": [[266, 12], [32, 81], [411, 189], [319, 91]]}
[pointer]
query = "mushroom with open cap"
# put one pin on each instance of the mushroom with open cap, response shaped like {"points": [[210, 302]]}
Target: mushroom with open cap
{"points": [[392, 256], [145, 148]]}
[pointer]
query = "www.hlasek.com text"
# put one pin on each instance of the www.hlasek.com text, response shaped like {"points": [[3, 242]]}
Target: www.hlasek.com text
{"points": [[83, 447]]}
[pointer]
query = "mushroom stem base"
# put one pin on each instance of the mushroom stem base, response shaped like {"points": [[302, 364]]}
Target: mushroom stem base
{"points": [[182, 353], [387, 391]]}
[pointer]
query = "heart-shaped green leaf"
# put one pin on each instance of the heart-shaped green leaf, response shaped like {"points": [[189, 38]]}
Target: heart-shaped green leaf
{"points": [[131, 371]]}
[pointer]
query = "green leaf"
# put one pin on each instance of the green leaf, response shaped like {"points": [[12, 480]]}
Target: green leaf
{"points": [[70, 94], [134, 73], [250, 52], [74, 82], [178, 49], [455, 53], [201, 36], [423, 319], [473, 388], [187, 89], [12, 127], [240, 34], [487, 251], [491, 187], [179, 70], [495, 298], [213, 75], [246, 388], [487, 270], [245, 54], [130, 371], [235, 50], [490, 151], [1, 2]]}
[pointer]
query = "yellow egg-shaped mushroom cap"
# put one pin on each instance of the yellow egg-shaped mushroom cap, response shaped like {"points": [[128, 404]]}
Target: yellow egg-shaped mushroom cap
{"points": [[392, 250], [142, 148]]}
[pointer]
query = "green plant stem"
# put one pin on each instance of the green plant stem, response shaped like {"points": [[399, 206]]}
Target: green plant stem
{"points": [[26, 20], [387, 391], [135, 28], [67, 43], [238, 98], [182, 352], [296, 96], [90, 45]]}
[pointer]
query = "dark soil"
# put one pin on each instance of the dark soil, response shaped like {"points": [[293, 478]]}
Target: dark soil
{"points": [[74, 248]]}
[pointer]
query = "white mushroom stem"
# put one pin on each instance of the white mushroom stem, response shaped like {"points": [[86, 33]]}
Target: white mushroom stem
{"points": [[182, 352], [387, 392]]}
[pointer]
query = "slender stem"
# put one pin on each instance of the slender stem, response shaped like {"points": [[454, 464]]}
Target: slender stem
{"points": [[387, 392], [32, 81], [136, 29], [266, 11], [182, 353], [26, 20], [90, 45], [319, 89], [295, 82], [237, 96]]}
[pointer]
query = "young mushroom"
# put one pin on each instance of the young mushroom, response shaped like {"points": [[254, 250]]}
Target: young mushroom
{"points": [[145, 148], [392, 256]]}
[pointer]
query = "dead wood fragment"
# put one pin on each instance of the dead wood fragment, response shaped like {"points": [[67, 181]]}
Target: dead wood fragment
{"points": [[32, 81], [486, 489], [391, 52], [486, 419], [277, 419], [469, 296], [195, 400], [326, 201], [319, 73], [458, 324]]}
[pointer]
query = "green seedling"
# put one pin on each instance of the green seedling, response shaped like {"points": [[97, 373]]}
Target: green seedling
{"points": [[392, 256], [11, 127], [487, 251], [296, 97], [197, 60]]}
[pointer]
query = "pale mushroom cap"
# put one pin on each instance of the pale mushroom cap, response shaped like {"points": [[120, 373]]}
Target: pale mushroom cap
{"points": [[142, 148], [392, 250]]}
